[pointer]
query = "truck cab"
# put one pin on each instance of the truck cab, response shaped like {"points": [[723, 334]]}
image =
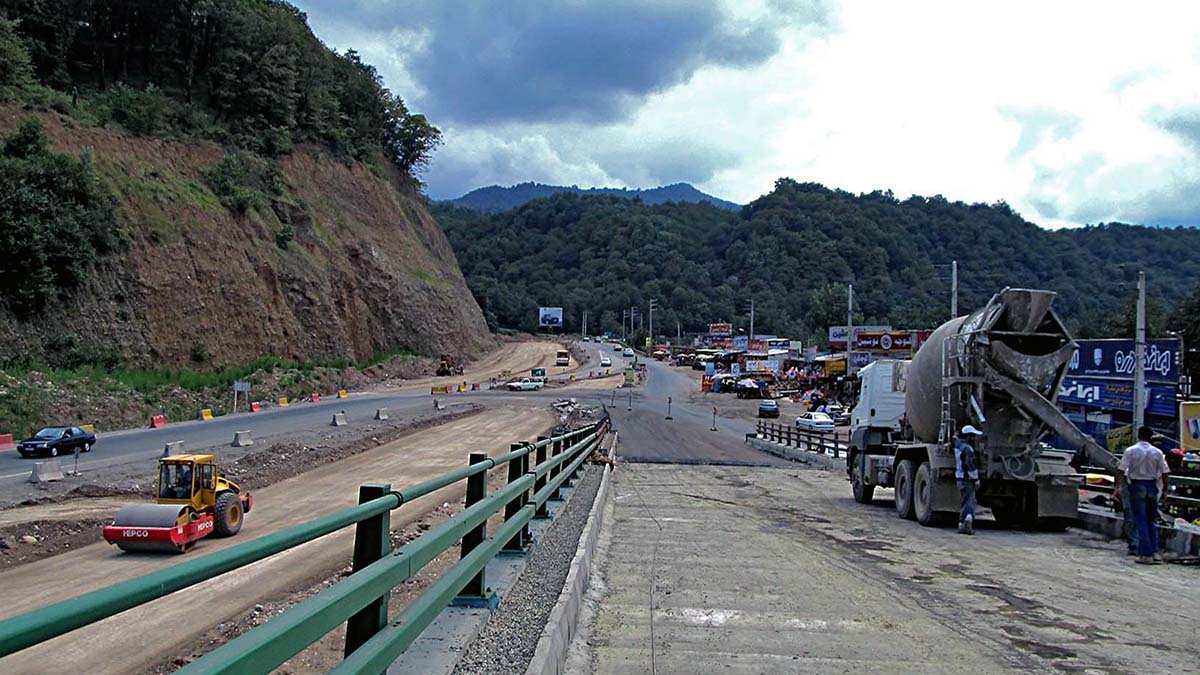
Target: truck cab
{"points": [[562, 358]]}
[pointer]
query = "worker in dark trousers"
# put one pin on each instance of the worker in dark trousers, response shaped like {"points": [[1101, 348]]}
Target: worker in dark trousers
{"points": [[966, 473], [1146, 468]]}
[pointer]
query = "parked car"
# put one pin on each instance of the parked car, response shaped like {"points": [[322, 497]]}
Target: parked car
{"points": [[605, 362], [839, 414], [768, 408], [628, 351], [616, 346], [55, 441], [525, 384], [815, 421]]}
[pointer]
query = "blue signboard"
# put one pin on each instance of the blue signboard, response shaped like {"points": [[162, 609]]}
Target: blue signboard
{"points": [[710, 369], [741, 342], [1116, 395], [1113, 359]]}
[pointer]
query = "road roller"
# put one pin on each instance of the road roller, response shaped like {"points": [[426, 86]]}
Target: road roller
{"points": [[192, 501]]}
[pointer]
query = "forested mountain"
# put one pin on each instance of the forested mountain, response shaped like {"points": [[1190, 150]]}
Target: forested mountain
{"points": [[793, 251], [495, 198]]}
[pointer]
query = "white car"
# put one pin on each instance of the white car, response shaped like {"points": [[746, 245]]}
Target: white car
{"points": [[525, 384], [605, 362], [815, 421], [628, 352]]}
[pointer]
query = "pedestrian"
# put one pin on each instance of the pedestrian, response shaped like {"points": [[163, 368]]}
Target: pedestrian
{"points": [[1143, 466], [966, 474]]}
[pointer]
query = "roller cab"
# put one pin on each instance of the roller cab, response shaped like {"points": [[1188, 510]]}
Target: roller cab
{"points": [[192, 502]]}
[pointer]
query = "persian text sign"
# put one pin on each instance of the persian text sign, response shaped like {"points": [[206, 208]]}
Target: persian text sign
{"points": [[1115, 358]]}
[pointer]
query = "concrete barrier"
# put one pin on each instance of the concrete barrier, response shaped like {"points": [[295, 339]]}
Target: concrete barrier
{"points": [[158, 421], [90, 428], [44, 472], [255, 406], [342, 393], [381, 414], [439, 389], [339, 419], [173, 448], [315, 397], [550, 655], [242, 439], [283, 402], [7, 442], [206, 414]]}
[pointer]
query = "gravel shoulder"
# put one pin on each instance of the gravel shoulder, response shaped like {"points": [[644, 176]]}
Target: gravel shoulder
{"points": [[507, 642]]}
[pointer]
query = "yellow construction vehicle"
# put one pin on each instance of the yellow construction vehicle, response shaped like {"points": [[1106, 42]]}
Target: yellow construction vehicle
{"points": [[192, 501]]}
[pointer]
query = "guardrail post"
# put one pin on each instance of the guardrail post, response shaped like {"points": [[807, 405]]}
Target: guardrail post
{"points": [[556, 450], [372, 541], [540, 482], [476, 593], [516, 469]]}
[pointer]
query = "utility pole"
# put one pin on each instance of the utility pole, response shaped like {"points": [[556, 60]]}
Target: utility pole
{"points": [[953, 289], [678, 334], [849, 320], [1139, 358], [751, 309], [583, 333], [653, 306], [624, 313]]}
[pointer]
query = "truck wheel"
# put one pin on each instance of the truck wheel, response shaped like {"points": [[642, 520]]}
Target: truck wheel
{"points": [[228, 515], [904, 489], [923, 498], [863, 493]]}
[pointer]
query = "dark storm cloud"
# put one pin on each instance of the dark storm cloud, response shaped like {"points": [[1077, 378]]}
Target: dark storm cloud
{"points": [[1183, 123], [555, 60]]}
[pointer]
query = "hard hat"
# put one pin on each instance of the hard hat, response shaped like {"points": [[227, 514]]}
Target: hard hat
{"points": [[970, 431]]}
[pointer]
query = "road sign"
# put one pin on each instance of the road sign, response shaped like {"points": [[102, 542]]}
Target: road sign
{"points": [[241, 386]]}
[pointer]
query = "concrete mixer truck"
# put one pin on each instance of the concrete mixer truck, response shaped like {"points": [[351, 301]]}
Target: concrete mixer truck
{"points": [[999, 369]]}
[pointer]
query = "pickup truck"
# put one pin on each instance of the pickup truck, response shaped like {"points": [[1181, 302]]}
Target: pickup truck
{"points": [[525, 384]]}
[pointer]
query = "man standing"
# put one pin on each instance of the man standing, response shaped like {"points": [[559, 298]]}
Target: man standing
{"points": [[966, 471], [1143, 466]]}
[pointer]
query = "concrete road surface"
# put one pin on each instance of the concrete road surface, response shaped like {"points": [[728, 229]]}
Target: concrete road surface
{"points": [[134, 444], [748, 566]]}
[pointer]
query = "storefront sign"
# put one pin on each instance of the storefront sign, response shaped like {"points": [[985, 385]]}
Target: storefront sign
{"points": [[1117, 395], [838, 334], [1119, 438], [722, 329], [858, 361], [1189, 425], [778, 343], [710, 369], [763, 366], [1114, 359], [835, 367], [884, 342], [740, 342]]}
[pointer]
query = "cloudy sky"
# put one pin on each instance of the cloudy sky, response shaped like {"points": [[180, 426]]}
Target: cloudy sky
{"points": [[1072, 112]]}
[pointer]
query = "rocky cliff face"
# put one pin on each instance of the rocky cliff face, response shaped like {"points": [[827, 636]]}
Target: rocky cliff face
{"points": [[367, 270]]}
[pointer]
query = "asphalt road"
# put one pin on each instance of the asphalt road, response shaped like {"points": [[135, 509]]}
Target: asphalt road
{"points": [[122, 446]]}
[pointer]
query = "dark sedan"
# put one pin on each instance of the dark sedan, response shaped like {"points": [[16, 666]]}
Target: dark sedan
{"points": [[55, 441], [768, 408]]}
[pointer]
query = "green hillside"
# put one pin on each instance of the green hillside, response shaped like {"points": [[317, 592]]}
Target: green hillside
{"points": [[793, 251]]}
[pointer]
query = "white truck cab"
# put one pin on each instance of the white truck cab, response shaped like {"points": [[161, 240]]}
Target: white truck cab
{"points": [[881, 397]]}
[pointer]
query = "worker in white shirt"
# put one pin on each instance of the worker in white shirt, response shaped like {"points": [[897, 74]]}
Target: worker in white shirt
{"points": [[1144, 467]]}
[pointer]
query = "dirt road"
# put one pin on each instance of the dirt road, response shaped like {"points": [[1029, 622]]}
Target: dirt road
{"points": [[147, 635]]}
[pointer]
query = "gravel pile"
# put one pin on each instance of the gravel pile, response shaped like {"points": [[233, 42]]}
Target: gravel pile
{"points": [[506, 644]]}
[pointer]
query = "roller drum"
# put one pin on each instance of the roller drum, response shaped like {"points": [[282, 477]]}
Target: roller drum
{"points": [[134, 516]]}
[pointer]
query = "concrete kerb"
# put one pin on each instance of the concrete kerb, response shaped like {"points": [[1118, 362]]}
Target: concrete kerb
{"points": [[242, 439], [44, 472], [339, 419], [550, 655], [1183, 540]]}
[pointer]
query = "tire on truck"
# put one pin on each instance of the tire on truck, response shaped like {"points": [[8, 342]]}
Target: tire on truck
{"points": [[227, 515], [923, 485], [863, 493], [904, 490]]}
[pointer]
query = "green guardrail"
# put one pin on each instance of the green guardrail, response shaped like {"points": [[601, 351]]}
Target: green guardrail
{"points": [[543, 467]]}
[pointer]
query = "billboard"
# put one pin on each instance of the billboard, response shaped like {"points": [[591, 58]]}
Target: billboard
{"points": [[858, 361], [1114, 359], [723, 329], [550, 317], [884, 342], [741, 342], [838, 334], [1117, 395]]}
